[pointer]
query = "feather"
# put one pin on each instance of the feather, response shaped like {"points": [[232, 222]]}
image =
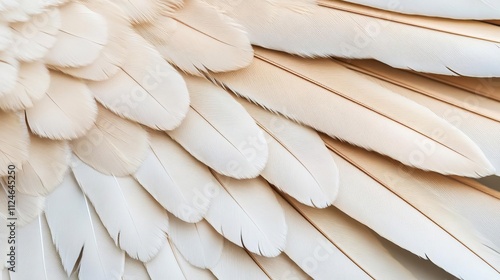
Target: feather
{"points": [[26, 207], [431, 230], [436, 45], [6, 36], [299, 163], [32, 83], [235, 263], [146, 89], [462, 9], [37, 256], [137, 224], [25, 9], [139, 11], [82, 37], [9, 69], [113, 145], [80, 238], [170, 262], [113, 55], [259, 227], [34, 38], [180, 183], [199, 243], [474, 115], [280, 267], [325, 84], [232, 144], [198, 38], [45, 168], [67, 110], [134, 270], [14, 143]]}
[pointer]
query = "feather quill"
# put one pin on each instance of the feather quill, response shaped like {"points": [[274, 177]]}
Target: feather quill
{"points": [[137, 224], [232, 144]]}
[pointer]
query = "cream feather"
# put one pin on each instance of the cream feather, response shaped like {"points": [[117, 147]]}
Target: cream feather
{"points": [[113, 55], [232, 144], [432, 230], [134, 270], [113, 145], [34, 38], [82, 37], [137, 224], [32, 83], [25, 9], [306, 90], [199, 243], [6, 36], [298, 162], [14, 143], [146, 89], [66, 111], [235, 263], [37, 255], [259, 227], [80, 238], [337, 28], [280, 267], [198, 38], [27, 207], [180, 183], [45, 168], [139, 11], [9, 69]]}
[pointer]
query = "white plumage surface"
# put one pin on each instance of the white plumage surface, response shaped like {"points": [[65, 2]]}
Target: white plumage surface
{"points": [[259, 139]]}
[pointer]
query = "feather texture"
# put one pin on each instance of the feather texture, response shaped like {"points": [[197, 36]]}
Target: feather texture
{"points": [[232, 144], [9, 69], [80, 238], [113, 145], [180, 183], [14, 143], [198, 38], [123, 205], [147, 11], [298, 163], [280, 267], [259, 227], [72, 112], [134, 269]]}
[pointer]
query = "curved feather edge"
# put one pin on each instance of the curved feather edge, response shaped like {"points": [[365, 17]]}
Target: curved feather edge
{"points": [[15, 141]]}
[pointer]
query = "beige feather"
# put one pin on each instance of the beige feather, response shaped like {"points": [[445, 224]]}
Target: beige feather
{"points": [[113, 145], [259, 227], [45, 168], [32, 83], [14, 143], [280, 267], [180, 183], [198, 38], [232, 144], [147, 11], [9, 69], [82, 36], [25, 9], [67, 110], [315, 92], [27, 207], [299, 163]]}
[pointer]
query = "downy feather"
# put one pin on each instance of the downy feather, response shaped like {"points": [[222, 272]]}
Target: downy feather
{"points": [[45, 168], [220, 133], [315, 92], [137, 224], [247, 213], [431, 229], [6, 36], [180, 183], [146, 89], [113, 145], [199, 243], [198, 38], [66, 111], [14, 143], [299, 163], [82, 37], [80, 238], [32, 83], [25, 9]]}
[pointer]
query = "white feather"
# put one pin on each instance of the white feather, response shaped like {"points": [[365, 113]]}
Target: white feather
{"points": [[134, 270], [246, 213], [67, 110], [146, 89], [80, 238], [280, 267], [232, 144], [113, 145], [82, 36], [139, 11], [180, 183], [27, 207], [298, 162], [6, 36], [137, 224]]}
